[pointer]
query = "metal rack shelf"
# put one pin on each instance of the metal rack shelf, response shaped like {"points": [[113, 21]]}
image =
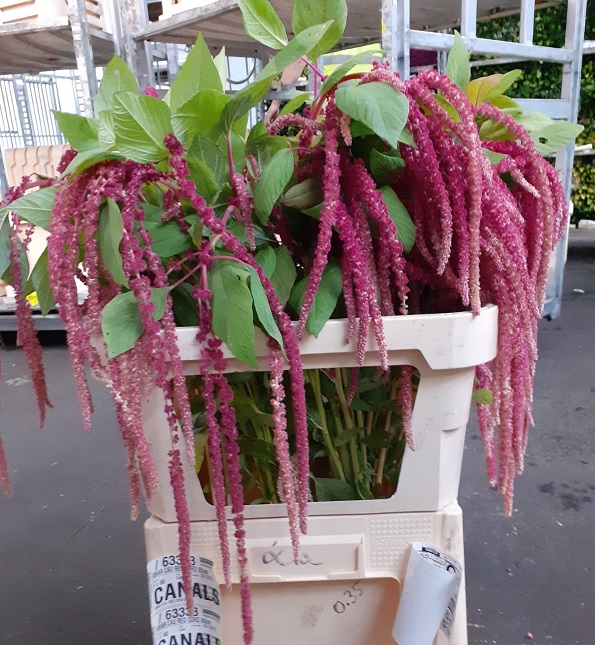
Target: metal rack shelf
{"points": [[34, 46], [220, 21]]}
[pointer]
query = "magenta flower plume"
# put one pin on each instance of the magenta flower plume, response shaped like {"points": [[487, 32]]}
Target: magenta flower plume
{"points": [[290, 343], [4, 478], [276, 365], [27, 335], [328, 217], [176, 474]]}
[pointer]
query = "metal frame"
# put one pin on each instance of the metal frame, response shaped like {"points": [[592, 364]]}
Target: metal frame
{"points": [[398, 38]]}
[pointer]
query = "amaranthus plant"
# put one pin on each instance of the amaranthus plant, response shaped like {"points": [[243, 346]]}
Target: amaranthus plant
{"points": [[377, 197]]}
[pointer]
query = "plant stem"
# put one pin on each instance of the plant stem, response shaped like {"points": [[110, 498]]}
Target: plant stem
{"points": [[313, 67], [364, 451], [314, 377], [348, 421], [344, 455], [383, 451]]}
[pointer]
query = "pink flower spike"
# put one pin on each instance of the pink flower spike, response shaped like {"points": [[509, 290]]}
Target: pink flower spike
{"points": [[176, 474], [4, 478]]}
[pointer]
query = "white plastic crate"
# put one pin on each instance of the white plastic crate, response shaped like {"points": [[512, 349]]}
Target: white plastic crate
{"points": [[46, 10], [445, 348], [348, 586]]}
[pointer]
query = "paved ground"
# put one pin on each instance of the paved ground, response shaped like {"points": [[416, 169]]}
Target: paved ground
{"points": [[72, 565]]}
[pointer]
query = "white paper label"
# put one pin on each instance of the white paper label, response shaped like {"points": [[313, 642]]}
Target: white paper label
{"points": [[429, 596], [170, 622]]}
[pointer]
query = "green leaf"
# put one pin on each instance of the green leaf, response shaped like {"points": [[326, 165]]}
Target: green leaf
{"points": [[232, 309], [220, 63], [243, 101], [263, 145], [204, 179], [378, 106], [326, 298], [263, 309], [345, 436], [400, 216], [257, 448], [555, 136], [494, 157], [506, 81], [336, 75], [111, 230], [307, 13], [80, 132], [262, 23], [35, 207], [141, 124], [272, 183], [200, 450], [116, 78], [198, 115], [168, 238], [85, 160], [199, 72], [283, 275], [295, 103], [40, 280], [5, 245], [377, 439], [106, 132], [24, 267], [479, 90], [209, 153], [299, 46], [184, 306], [333, 490], [458, 68], [267, 259], [483, 397], [304, 195], [121, 322], [385, 165]]}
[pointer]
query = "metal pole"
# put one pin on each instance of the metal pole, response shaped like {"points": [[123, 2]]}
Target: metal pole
{"points": [[77, 14], [396, 35], [469, 18], [132, 15], [527, 22]]}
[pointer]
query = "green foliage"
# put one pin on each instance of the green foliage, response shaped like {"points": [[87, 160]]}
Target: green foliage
{"points": [[80, 132], [121, 323], [111, 231], [378, 106], [262, 23], [141, 124], [232, 309], [116, 78], [199, 72], [272, 183], [457, 65], [543, 80], [400, 217], [35, 207], [325, 300], [584, 188], [307, 13]]}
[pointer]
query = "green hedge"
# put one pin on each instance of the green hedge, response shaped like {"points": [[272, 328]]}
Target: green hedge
{"points": [[543, 80]]}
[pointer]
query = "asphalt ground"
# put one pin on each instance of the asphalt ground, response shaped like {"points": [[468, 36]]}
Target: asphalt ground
{"points": [[72, 566]]}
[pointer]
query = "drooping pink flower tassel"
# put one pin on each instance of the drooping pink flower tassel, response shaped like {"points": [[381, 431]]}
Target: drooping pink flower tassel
{"points": [[328, 216], [176, 474], [276, 365], [4, 478]]}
